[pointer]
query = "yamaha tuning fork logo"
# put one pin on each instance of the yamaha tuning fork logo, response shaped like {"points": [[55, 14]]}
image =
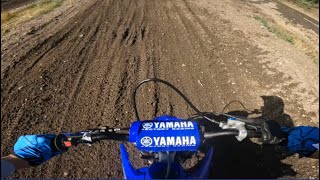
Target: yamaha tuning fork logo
{"points": [[147, 125], [146, 141]]}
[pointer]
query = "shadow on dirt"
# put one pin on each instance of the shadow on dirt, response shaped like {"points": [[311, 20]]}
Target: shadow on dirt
{"points": [[246, 159]]}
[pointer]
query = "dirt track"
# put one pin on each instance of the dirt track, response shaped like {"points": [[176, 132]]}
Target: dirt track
{"points": [[12, 4], [77, 69]]}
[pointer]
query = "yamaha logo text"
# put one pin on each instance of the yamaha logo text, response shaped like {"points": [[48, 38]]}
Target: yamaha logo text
{"points": [[167, 125], [168, 141]]}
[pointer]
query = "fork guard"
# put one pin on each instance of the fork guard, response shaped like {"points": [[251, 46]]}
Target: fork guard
{"points": [[151, 172]]}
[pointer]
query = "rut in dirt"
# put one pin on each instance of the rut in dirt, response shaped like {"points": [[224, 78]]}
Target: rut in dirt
{"points": [[80, 76], [74, 74]]}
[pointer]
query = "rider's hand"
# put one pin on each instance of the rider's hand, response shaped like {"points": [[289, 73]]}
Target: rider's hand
{"points": [[36, 149], [302, 139]]}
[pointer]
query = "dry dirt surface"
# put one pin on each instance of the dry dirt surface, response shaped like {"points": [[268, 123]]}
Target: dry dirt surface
{"points": [[76, 67]]}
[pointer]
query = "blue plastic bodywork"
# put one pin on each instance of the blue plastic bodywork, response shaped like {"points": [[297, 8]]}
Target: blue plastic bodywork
{"points": [[157, 170]]}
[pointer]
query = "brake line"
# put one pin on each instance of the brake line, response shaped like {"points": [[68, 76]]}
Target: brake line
{"points": [[166, 83]]}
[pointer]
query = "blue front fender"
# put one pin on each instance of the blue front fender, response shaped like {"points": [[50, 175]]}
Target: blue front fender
{"points": [[148, 172]]}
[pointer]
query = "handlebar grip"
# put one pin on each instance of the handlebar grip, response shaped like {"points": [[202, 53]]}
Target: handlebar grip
{"points": [[254, 134], [60, 143], [233, 132], [255, 122]]}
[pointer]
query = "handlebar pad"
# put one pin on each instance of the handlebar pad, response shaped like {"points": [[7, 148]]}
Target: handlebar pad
{"points": [[165, 135]]}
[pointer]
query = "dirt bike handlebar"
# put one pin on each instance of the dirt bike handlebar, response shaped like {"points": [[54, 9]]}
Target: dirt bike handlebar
{"points": [[231, 132], [64, 141], [111, 136]]}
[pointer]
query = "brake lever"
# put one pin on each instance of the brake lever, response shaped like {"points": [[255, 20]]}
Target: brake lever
{"points": [[271, 133]]}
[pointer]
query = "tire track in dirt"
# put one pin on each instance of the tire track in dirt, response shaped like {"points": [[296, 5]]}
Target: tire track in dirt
{"points": [[78, 109], [47, 45], [192, 40], [118, 85], [222, 88], [80, 71], [33, 64], [37, 34], [216, 57]]}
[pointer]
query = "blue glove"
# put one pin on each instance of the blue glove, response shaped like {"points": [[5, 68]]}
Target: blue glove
{"points": [[302, 139], [36, 149]]}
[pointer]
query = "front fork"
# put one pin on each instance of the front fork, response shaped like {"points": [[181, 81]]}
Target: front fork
{"points": [[152, 171]]}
